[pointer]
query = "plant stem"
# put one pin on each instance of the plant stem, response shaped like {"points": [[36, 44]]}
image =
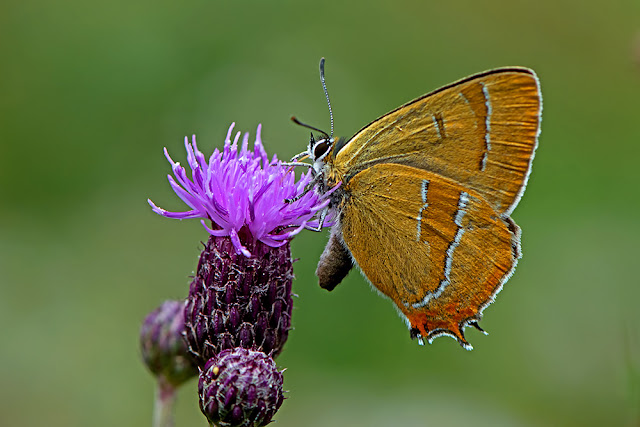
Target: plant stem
{"points": [[165, 400]]}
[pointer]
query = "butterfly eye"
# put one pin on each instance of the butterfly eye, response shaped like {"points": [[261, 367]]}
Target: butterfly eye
{"points": [[320, 149]]}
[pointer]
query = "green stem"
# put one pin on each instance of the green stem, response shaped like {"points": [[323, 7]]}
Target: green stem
{"points": [[165, 400]]}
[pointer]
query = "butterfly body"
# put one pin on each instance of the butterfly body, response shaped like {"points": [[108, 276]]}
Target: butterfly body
{"points": [[422, 198]]}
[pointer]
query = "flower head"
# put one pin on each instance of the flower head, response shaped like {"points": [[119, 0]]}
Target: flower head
{"points": [[242, 190]]}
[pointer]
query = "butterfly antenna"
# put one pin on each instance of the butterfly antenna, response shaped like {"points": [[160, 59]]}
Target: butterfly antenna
{"points": [[326, 93], [298, 122]]}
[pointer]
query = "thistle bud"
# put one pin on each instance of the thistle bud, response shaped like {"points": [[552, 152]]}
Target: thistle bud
{"points": [[240, 388], [164, 349]]}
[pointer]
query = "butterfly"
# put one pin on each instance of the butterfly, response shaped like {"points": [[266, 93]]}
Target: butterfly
{"points": [[421, 198]]}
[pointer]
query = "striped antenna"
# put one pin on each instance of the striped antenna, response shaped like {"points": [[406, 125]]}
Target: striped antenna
{"points": [[326, 93]]}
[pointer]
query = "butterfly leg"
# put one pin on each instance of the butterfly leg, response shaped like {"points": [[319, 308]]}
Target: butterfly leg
{"points": [[299, 156], [292, 163], [323, 217], [308, 188]]}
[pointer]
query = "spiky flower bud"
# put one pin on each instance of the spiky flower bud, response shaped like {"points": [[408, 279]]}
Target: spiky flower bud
{"points": [[240, 388], [164, 349]]}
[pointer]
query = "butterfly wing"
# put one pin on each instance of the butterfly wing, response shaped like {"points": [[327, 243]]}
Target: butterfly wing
{"points": [[437, 249], [481, 132]]}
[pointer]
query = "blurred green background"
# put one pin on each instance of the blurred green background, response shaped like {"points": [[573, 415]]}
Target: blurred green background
{"points": [[91, 92]]}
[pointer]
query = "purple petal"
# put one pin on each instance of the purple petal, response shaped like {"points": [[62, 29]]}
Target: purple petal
{"points": [[235, 239], [218, 233]]}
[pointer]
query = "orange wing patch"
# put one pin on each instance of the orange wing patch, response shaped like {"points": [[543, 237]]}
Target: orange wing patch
{"points": [[437, 249]]}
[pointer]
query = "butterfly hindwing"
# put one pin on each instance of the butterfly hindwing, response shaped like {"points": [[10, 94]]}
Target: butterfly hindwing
{"points": [[436, 248]]}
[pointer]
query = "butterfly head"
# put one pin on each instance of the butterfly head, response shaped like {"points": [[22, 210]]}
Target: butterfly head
{"points": [[319, 148], [318, 151]]}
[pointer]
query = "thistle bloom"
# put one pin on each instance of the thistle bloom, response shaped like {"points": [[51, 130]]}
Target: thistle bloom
{"points": [[238, 190], [241, 294], [237, 316]]}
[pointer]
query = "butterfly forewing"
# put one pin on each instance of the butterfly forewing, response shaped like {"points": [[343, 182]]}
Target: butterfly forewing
{"points": [[480, 132], [432, 245]]}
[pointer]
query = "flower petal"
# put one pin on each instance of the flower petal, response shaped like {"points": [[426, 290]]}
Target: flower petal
{"points": [[235, 239]]}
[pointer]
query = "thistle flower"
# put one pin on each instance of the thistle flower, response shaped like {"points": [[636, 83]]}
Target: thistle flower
{"points": [[241, 294], [243, 190], [238, 313], [240, 388]]}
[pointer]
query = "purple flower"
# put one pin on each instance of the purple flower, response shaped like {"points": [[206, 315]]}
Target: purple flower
{"points": [[243, 190]]}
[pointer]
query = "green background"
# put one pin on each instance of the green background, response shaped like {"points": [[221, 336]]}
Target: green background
{"points": [[90, 93]]}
